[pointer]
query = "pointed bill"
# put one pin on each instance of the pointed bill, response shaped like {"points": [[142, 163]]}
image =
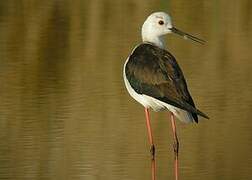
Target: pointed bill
{"points": [[186, 35]]}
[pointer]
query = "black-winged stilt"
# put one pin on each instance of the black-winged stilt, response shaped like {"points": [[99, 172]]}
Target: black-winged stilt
{"points": [[154, 79]]}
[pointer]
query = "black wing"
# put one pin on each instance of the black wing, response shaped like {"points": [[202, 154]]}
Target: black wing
{"points": [[154, 71]]}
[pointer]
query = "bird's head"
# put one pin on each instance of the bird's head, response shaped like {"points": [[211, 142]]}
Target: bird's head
{"points": [[159, 24]]}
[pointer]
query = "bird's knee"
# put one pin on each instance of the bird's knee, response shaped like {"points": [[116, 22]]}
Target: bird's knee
{"points": [[176, 147], [152, 151]]}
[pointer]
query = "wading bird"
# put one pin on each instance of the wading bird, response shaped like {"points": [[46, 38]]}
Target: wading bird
{"points": [[154, 79]]}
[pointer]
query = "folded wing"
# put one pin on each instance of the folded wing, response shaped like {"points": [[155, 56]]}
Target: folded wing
{"points": [[154, 71]]}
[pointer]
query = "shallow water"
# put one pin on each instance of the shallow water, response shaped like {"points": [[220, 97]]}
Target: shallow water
{"points": [[65, 113]]}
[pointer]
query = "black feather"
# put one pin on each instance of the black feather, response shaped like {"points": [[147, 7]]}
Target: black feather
{"points": [[155, 72]]}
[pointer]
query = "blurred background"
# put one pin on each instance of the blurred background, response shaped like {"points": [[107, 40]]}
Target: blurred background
{"points": [[64, 110]]}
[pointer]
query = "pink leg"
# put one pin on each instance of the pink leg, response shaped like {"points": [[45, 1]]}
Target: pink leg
{"points": [[175, 145], [152, 149]]}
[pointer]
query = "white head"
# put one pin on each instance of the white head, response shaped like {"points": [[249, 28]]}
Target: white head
{"points": [[159, 24], [155, 27]]}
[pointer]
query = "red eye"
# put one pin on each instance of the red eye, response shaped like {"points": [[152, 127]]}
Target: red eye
{"points": [[161, 22]]}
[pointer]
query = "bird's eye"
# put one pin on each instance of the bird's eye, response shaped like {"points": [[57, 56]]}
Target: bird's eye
{"points": [[160, 22]]}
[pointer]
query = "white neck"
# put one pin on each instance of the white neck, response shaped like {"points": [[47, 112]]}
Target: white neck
{"points": [[158, 41]]}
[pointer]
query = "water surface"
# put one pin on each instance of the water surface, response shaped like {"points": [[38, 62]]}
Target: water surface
{"points": [[64, 111]]}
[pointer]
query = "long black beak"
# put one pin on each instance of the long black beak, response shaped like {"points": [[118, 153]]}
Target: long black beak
{"points": [[187, 36]]}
